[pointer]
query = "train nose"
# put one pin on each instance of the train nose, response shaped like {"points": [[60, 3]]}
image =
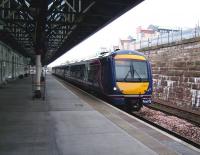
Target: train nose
{"points": [[148, 91], [133, 88]]}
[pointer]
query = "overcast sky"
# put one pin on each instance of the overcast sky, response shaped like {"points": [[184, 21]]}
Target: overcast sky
{"points": [[165, 13]]}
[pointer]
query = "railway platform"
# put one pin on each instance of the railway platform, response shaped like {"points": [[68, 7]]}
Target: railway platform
{"points": [[72, 122]]}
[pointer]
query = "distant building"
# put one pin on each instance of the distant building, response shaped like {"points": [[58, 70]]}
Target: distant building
{"points": [[144, 37], [144, 34], [153, 31], [162, 30], [126, 44]]}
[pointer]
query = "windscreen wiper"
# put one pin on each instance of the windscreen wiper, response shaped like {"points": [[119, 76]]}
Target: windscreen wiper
{"points": [[125, 79], [134, 71]]}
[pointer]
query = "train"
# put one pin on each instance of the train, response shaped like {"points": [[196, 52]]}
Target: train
{"points": [[124, 77]]}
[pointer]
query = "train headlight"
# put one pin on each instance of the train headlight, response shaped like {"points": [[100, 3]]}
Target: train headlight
{"points": [[114, 88]]}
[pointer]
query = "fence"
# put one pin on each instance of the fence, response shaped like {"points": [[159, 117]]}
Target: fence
{"points": [[167, 38]]}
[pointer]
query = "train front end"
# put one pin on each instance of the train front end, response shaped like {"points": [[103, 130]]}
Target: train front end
{"points": [[133, 79]]}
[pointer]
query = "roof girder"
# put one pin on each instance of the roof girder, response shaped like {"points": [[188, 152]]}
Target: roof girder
{"points": [[55, 26]]}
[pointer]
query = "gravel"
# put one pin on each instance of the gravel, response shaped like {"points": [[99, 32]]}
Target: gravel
{"points": [[172, 123]]}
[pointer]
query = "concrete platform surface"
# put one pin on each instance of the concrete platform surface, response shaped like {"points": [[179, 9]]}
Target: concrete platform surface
{"points": [[69, 124]]}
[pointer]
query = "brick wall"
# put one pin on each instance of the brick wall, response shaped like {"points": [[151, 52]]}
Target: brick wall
{"points": [[176, 73]]}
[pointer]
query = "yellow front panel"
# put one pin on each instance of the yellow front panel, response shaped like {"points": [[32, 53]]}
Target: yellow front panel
{"points": [[133, 88], [130, 56]]}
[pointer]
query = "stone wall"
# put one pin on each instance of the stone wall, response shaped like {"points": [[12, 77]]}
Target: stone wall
{"points": [[176, 73]]}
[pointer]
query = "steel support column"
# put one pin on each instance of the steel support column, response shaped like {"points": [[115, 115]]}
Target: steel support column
{"points": [[40, 9], [38, 76]]}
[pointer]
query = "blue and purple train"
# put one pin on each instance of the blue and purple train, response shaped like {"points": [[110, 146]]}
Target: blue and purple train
{"points": [[123, 76]]}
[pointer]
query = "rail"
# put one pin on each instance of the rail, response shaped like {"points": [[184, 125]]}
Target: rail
{"points": [[191, 116], [175, 134]]}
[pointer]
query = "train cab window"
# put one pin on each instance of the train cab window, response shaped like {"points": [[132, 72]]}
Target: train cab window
{"points": [[131, 71]]}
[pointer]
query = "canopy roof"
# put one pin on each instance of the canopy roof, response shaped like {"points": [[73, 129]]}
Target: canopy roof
{"points": [[52, 27]]}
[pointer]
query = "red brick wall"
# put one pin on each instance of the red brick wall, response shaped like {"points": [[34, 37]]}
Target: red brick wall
{"points": [[176, 73]]}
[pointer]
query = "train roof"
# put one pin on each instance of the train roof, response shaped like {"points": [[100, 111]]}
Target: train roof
{"points": [[103, 55], [127, 52]]}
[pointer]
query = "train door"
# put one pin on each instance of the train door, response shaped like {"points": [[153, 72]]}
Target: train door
{"points": [[106, 75], [93, 74]]}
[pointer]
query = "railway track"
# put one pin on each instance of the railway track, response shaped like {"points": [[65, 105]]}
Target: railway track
{"points": [[175, 111], [197, 145]]}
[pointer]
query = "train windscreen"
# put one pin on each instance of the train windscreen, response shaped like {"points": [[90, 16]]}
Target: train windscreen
{"points": [[131, 71]]}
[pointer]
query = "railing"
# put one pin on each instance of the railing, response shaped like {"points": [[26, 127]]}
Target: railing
{"points": [[167, 38]]}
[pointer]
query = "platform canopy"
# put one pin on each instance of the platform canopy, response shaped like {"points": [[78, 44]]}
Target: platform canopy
{"points": [[52, 27]]}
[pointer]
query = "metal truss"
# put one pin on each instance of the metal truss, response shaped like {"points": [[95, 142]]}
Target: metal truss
{"points": [[50, 27], [22, 17]]}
